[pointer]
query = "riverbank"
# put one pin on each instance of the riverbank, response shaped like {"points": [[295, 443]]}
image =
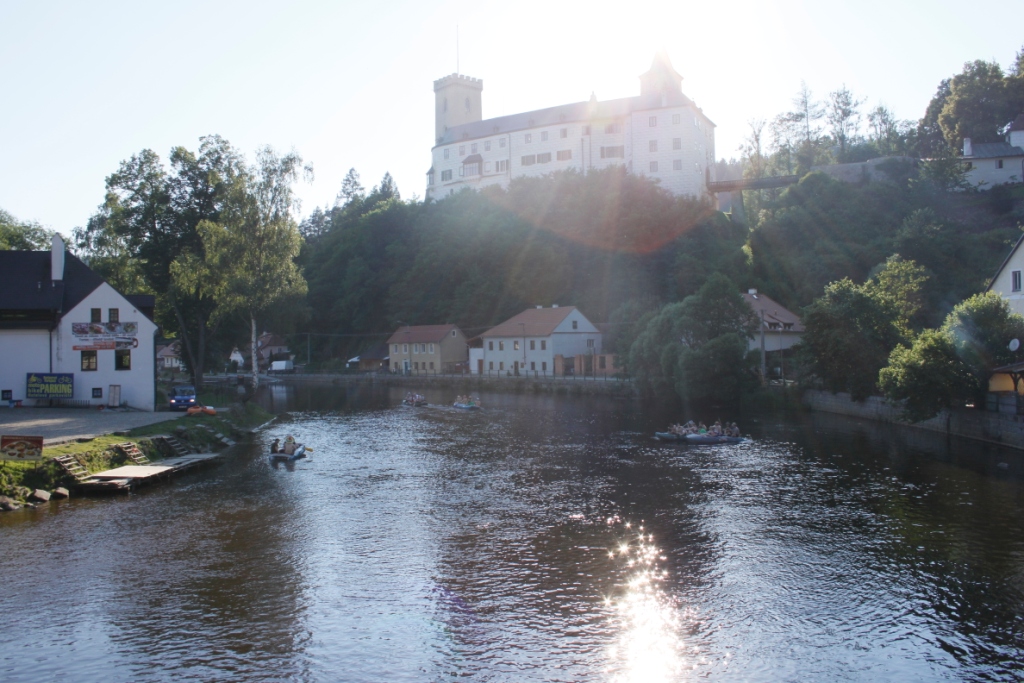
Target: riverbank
{"points": [[95, 451], [990, 427], [567, 386]]}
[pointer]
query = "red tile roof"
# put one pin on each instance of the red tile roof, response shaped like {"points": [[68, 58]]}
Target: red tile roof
{"points": [[419, 334], [533, 322], [774, 312]]}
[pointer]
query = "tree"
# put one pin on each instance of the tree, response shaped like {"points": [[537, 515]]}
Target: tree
{"points": [[152, 217], [951, 366], [849, 336], [927, 377], [977, 107], [22, 236], [351, 189], [900, 287], [842, 113], [255, 246], [696, 347]]}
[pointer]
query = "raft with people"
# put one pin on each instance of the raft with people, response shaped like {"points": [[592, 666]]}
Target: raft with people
{"points": [[290, 451], [698, 433], [414, 400], [467, 403]]}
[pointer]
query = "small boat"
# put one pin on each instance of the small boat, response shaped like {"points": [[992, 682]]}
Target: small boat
{"points": [[466, 406], [300, 452], [711, 439], [414, 401]]}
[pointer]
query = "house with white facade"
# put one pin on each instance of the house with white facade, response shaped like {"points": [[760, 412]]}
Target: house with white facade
{"points": [[538, 341], [997, 163], [1007, 282], [778, 327], [661, 133], [68, 338], [168, 357]]}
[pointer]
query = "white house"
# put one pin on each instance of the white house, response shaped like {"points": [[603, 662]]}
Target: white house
{"points": [[169, 357], [997, 163], [534, 340], [778, 326], [67, 337], [661, 134], [1007, 280]]}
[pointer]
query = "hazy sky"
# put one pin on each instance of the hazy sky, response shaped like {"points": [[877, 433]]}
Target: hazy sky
{"points": [[84, 86]]}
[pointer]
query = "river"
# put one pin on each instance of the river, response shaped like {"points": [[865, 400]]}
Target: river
{"points": [[539, 539]]}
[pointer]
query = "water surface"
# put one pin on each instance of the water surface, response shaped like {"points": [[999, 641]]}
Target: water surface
{"points": [[540, 539]]}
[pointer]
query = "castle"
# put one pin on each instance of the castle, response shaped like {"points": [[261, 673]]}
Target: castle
{"points": [[661, 134]]}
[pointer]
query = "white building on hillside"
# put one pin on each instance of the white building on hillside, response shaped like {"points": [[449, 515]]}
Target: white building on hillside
{"points": [[997, 163], [779, 327], [67, 337], [661, 133], [1008, 282], [530, 343]]}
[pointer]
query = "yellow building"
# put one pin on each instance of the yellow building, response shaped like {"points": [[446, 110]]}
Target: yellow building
{"points": [[428, 349]]}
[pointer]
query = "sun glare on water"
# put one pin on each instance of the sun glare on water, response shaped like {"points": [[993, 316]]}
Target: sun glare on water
{"points": [[649, 647]]}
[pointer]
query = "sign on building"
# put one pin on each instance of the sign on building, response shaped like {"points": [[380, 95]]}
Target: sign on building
{"points": [[104, 336], [50, 385], [21, 448]]}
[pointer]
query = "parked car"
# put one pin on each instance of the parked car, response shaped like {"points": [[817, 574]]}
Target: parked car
{"points": [[183, 397]]}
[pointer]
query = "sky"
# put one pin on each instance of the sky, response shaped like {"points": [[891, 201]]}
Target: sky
{"points": [[84, 86]]}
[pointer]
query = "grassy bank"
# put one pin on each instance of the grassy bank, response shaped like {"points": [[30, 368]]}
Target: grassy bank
{"points": [[18, 480]]}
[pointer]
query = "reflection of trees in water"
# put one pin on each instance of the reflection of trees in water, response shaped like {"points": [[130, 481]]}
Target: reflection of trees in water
{"points": [[217, 590]]}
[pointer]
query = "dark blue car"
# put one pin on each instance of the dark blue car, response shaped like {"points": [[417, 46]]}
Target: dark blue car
{"points": [[183, 397]]}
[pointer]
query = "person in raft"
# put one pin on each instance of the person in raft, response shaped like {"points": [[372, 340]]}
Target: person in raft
{"points": [[289, 445]]}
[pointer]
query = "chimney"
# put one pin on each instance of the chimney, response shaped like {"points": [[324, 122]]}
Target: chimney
{"points": [[540, 307], [554, 305], [752, 292], [968, 150], [57, 258]]}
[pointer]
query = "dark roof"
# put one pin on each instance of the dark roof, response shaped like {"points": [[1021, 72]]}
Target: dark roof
{"points": [[378, 352], [473, 159], [993, 150], [774, 312], [565, 113], [419, 334], [1018, 123], [26, 284]]}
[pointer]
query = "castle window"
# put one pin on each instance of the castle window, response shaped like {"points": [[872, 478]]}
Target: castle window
{"points": [[446, 175], [446, 104], [113, 315], [677, 143], [677, 164], [529, 160], [999, 163], [430, 177], [528, 137], [472, 148], [652, 145], [94, 315], [544, 136], [487, 145], [563, 133], [654, 167], [467, 104], [501, 166], [617, 152], [565, 155], [501, 143], [89, 357], [1015, 286], [462, 171], [586, 130], [613, 128], [501, 346], [446, 154], [652, 121], [544, 158], [462, 150], [675, 118], [472, 169]]}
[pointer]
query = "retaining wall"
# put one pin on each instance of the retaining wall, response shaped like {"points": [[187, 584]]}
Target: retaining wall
{"points": [[999, 428], [473, 383]]}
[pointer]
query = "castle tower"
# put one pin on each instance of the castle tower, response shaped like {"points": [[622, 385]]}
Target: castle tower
{"points": [[457, 100], [661, 78]]}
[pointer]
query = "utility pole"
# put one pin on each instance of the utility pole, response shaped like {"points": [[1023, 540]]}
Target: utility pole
{"points": [[764, 370]]}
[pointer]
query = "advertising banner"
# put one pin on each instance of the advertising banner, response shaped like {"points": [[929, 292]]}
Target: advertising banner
{"points": [[104, 336], [21, 448], [50, 385]]}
